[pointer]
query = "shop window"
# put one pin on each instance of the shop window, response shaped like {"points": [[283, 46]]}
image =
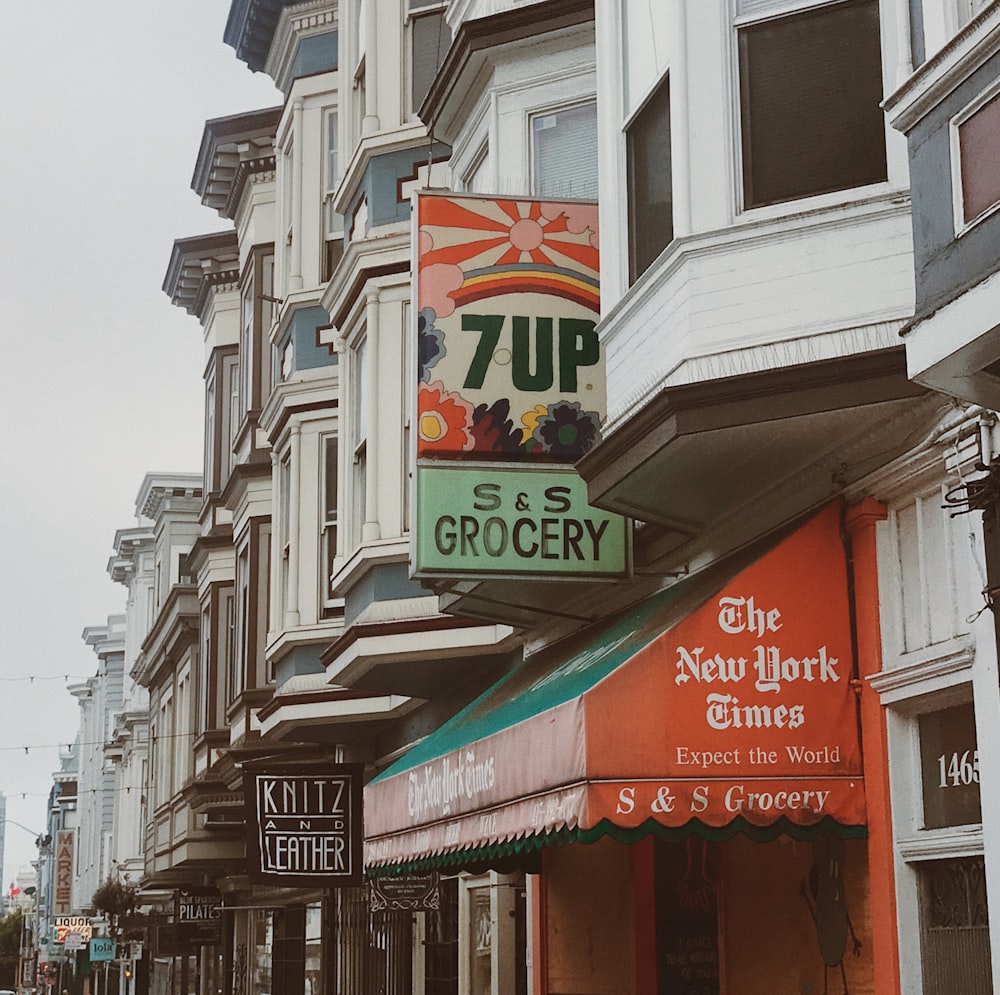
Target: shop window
{"points": [[810, 88], [492, 935], [429, 41], [441, 943], [564, 152], [687, 928], [650, 195], [314, 950], [977, 137], [954, 927]]}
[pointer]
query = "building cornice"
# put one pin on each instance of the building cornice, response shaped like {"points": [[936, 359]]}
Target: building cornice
{"points": [[199, 265], [477, 37], [250, 29], [233, 150], [978, 41]]}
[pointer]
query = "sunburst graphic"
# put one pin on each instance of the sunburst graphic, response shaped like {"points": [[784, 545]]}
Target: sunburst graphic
{"points": [[512, 246]]}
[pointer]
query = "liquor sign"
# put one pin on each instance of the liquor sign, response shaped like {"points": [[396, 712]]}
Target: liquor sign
{"points": [[304, 824], [63, 897], [949, 761], [405, 892], [63, 926], [508, 298], [520, 521]]}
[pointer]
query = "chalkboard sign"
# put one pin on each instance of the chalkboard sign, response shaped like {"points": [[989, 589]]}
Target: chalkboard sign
{"points": [[687, 917]]}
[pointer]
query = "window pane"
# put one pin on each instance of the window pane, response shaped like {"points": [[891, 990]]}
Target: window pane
{"points": [[430, 40], [650, 194], [810, 87], [979, 152], [564, 152]]}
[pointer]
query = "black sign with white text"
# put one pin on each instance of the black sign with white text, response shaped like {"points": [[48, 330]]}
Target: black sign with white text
{"points": [[949, 761], [304, 824]]}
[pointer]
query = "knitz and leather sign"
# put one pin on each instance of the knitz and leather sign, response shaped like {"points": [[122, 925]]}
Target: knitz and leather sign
{"points": [[304, 823]]}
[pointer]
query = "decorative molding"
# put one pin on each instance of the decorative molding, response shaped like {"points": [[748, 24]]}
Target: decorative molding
{"points": [[947, 843], [978, 41], [929, 667]]}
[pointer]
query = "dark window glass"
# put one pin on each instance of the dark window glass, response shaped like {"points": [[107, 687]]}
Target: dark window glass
{"points": [[979, 151], [810, 88], [430, 40], [650, 196]]}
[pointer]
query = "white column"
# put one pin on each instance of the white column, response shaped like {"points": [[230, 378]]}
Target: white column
{"points": [[370, 530], [680, 151], [371, 123], [298, 155], [904, 57]]}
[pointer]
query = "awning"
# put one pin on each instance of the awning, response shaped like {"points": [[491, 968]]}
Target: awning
{"points": [[721, 704]]}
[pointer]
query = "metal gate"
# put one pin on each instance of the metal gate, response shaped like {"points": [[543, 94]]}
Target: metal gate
{"points": [[954, 927], [373, 952]]}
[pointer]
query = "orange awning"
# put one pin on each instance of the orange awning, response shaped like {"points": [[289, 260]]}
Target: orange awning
{"points": [[723, 703]]}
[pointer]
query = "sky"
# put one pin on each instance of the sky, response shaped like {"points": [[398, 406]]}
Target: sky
{"points": [[102, 107]]}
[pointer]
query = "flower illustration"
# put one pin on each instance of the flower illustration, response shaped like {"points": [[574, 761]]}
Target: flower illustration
{"points": [[430, 343], [564, 429], [443, 420], [493, 429]]}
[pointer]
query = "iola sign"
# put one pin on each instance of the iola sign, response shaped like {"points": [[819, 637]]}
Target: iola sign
{"points": [[479, 521]]}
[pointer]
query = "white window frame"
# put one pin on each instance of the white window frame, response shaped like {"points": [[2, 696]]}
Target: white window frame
{"points": [[962, 226], [749, 12], [555, 110], [502, 953]]}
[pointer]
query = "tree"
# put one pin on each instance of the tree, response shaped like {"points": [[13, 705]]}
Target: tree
{"points": [[117, 901], [10, 946]]}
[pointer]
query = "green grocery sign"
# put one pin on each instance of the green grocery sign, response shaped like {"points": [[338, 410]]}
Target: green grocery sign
{"points": [[482, 521]]}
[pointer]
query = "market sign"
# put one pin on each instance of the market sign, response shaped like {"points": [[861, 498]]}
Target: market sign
{"points": [[63, 896], [508, 298], [304, 823], [520, 521]]}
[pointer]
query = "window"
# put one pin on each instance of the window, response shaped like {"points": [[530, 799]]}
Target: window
{"points": [[359, 475], [429, 41], [977, 135], [564, 152], [492, 914], [242, 650], [284, 536], [810, 87], [329, 510], [333, 222], [650, 195]]}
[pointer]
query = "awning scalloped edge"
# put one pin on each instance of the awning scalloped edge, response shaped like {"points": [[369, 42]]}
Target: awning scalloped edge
{"points": [[529, 844]]}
